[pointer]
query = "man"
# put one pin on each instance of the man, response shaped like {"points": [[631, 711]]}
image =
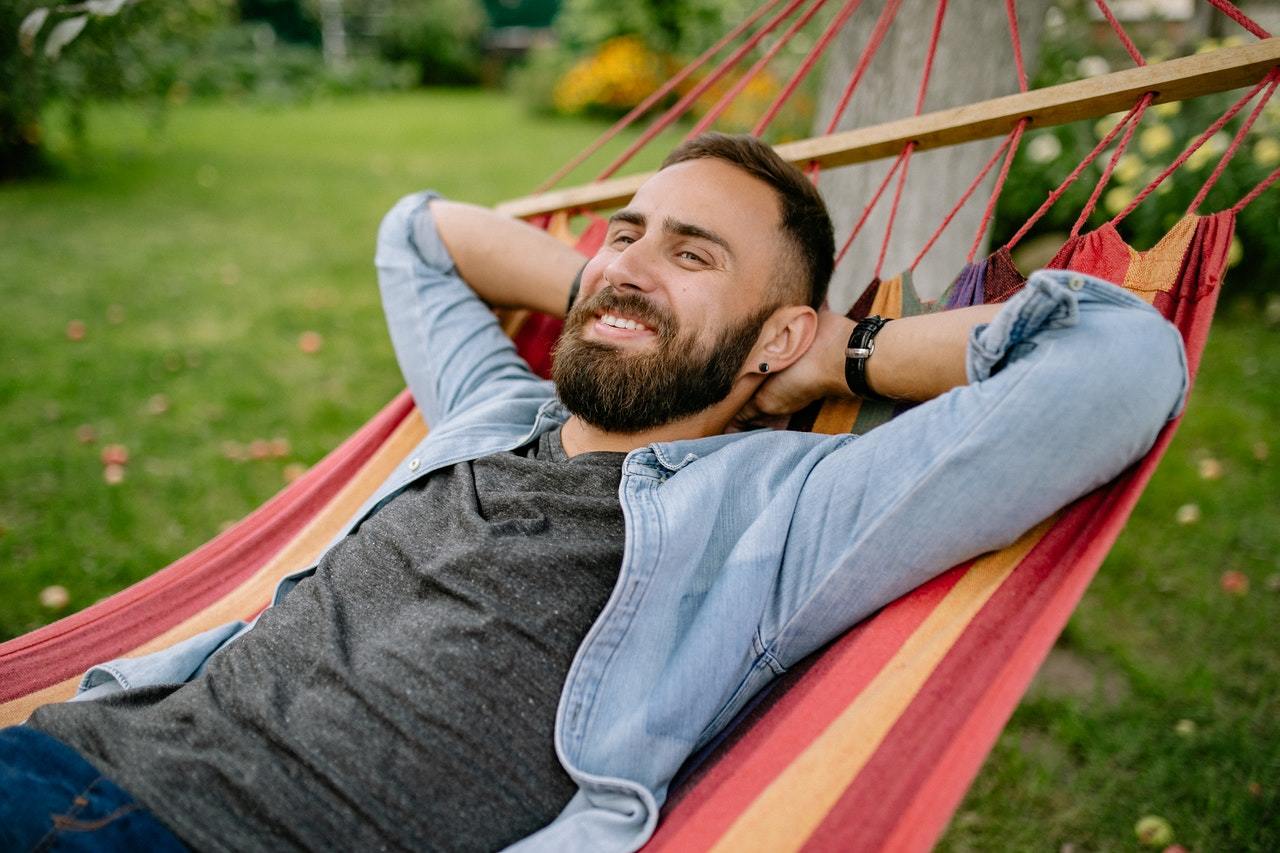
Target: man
{"points": [[568, 588]]}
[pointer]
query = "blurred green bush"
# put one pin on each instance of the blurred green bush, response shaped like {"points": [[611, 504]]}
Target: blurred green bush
{"points": [[442, 39]]}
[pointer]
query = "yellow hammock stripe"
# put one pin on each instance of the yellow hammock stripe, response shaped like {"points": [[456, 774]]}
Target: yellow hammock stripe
{"points": [[786, 813]]}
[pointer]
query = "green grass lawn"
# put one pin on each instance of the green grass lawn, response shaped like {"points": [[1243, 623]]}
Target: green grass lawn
{"points": [[197, 260]]}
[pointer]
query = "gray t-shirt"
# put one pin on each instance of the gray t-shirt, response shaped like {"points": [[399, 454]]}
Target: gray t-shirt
{"points": [[404, 696]]}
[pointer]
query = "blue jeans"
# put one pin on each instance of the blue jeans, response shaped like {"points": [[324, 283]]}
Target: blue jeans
{"points": [[51, 798]]}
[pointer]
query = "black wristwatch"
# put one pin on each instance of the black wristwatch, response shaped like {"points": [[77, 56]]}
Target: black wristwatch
{"points": [[862, 343]]}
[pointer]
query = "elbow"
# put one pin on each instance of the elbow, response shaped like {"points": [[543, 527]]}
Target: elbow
{"points": [[1134, 377]]}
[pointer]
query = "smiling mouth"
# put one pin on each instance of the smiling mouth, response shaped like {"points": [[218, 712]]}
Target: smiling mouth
{"points": [[614, 321]]}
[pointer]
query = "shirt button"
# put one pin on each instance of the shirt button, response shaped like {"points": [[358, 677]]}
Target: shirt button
{"points": [[1075, 283], [414, 463]]}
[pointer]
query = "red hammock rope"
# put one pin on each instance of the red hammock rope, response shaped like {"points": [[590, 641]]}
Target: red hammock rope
{"points": [[1195, 144], [1009, 148], [1232, 12], [1120, 32], [657, 95], [868, 53], [1012, 14], [1075, 173], [930, 54], [1087, 210], [875, 198], [973, 186], [1014, 140], [1234, 146], [682, 106], [810, 60], [904, 157], [893, 209], [728, 97], [1256, 191]]}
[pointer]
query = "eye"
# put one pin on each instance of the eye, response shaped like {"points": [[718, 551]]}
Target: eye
{"points": [[624, 238], [692, 256]]}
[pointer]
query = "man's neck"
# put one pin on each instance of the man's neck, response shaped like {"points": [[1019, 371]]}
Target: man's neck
{"points": [[578, 436]]}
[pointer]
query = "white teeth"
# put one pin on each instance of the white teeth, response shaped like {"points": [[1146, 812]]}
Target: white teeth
{"points": [[621, 323]]}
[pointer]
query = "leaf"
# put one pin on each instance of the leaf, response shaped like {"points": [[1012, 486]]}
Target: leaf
{"points": [[61, 35], [103, 8], [28, 29], [87, 6]]}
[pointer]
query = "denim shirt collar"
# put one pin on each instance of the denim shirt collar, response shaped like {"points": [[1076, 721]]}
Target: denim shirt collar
{"points": [[675, 455]]}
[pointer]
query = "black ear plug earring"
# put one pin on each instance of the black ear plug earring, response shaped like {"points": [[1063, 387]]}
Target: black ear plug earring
{"points": [[764, 367]]}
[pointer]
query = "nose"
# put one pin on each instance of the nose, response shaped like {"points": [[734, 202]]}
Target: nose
{"points": [[632, 268]]}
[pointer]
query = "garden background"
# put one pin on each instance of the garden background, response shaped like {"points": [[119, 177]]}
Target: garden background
{"points": [[191, 318]]}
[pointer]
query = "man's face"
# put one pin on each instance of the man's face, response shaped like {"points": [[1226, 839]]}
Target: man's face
{"points": [[673, 302]]}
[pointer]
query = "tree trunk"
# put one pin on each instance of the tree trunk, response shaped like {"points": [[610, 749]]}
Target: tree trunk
{"points": [[974, 62], [333, 34]]}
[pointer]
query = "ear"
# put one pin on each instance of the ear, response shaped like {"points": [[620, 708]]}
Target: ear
{"points": [[784, 338]]}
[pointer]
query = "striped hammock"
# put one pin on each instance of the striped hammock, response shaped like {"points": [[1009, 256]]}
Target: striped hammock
{"points": [[871, 743]]}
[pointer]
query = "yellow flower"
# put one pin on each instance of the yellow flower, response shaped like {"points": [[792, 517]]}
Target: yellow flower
{"points": [[1117, 199], [1201, 157], [1128, 168], [1155, 139], [1168, 109], [1266, 152], [1207, 46], [621, 73]]}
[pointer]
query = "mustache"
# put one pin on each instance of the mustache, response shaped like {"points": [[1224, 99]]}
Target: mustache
{"points": [[608, 300]]}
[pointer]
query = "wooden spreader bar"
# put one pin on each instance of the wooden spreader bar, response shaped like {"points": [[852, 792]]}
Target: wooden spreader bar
{"points": [[1174, 80]]}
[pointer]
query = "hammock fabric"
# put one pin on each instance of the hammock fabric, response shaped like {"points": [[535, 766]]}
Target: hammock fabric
{"points": [[871, 744]]}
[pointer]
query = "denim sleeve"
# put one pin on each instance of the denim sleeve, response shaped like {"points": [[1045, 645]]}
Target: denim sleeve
{"points": [[450, 346], [1070, 384]]}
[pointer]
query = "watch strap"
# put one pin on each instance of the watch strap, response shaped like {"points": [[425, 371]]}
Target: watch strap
{"points": [[862, 343]]}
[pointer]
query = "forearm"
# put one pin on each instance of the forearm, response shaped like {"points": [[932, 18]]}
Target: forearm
{"points": [[919, 358], [915, 358], [507, 262]]}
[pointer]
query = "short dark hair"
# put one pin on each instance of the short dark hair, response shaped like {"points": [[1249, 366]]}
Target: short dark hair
{"points": [[804, 215]]}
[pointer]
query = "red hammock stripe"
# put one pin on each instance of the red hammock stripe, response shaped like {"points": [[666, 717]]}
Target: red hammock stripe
{"points": [[120, 623], [704, 810]]}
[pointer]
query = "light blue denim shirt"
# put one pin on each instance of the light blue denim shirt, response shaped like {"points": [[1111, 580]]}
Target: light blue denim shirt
{"points": [[746, 552]]}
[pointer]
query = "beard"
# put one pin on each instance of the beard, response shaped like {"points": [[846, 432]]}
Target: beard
{"points": [[619, 391]]}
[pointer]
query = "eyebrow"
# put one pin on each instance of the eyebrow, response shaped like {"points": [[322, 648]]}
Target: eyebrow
{"points": [[673, 226]]}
